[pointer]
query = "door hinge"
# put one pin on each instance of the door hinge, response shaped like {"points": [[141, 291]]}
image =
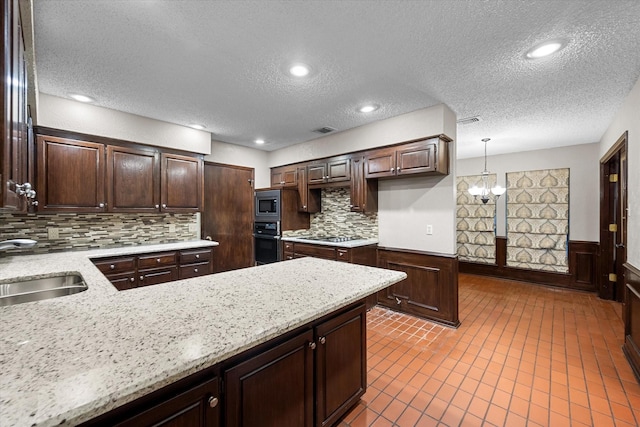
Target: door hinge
{"points": [[613, 177], [613, 227], [613, 277]]}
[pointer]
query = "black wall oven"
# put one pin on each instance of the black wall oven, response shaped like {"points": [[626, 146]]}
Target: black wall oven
{"points": [[266, 237], [268, 206]]}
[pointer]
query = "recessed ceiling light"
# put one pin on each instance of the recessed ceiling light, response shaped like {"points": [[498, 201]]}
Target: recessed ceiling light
{"points": [[299, 70], [368, 108], [197, 126], [544, 49], [81, 98], [259, 141]]}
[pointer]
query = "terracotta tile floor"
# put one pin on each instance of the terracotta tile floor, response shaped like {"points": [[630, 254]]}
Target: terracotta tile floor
{"points": [[525, 355]]}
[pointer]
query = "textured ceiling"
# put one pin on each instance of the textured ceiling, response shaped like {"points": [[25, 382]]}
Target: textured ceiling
{"points": [[223, 64]]}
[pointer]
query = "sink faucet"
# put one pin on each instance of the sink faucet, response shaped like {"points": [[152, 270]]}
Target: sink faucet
{"points": [[17, 244]]}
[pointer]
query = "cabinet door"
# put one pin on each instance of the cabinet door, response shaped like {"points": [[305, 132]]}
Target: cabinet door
{"points": [[316, 251], [285, 176], [357, 185], [341, 365], [317, 174], [70, 175], [277, 180], [274, 388], [182, 183], [196, 407], [290, 178], [155, 276], [133, 180], [416, 158], [308, 200], [339, 170], [123, 281], [380, 163]]}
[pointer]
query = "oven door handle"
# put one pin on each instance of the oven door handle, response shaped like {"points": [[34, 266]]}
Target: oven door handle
{"points": [[266, 237]]}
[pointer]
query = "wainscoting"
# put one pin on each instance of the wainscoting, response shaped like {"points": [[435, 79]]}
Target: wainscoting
{"points": [[631, 345], [582, 274], [430, 289]]}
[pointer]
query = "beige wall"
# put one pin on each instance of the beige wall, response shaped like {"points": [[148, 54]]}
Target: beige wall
{"points": [[61, 113], [232, 154], [582, 161], [405, 206], [628, 119]]}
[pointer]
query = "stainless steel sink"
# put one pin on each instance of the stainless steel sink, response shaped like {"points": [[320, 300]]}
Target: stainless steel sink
{"points": [[19, 291]]}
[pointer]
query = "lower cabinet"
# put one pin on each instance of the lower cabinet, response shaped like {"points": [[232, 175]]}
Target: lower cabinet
{"points": [[278, 388]]}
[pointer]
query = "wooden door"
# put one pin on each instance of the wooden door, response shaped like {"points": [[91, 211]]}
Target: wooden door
{"points": [[182, 183], [227, 216], [419, 157], [380, 163], [613, 221], [339, 170], [274, 388], [133, 180], [71, 175], [341, 365]]}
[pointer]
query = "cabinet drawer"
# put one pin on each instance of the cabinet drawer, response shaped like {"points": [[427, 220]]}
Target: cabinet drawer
{"points": [[123, 281], [116, 265], [194, 270], [157, 260], [157, 275], [197, 256], [288, 255], [343, 255], [317, 251], [288, 246]]}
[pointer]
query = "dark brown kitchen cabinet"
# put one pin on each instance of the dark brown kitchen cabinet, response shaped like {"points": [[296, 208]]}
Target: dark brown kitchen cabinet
{"points": [[364, 192], [428, 156], [157, 268], [341, 369], [309, 199], [284, 177], [277, 387], [133, 180], [120, 271], [14, 137], [332, 170], [71, 175], [274, 388], [363, 255], [194, 263], [182, 183]]}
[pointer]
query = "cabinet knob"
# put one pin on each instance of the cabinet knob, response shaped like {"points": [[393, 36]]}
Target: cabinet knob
{"points": [[141, 277], [157, 206], [164, 206], [350, 206], [213, 402], [392, 169], [323, 340], [158, 260], [208, 238], [132, 279], [398, 169], [195, 270], [341, 253], [102, 205], [111, 267], [197, 256], [312, 345], [304, 207]]}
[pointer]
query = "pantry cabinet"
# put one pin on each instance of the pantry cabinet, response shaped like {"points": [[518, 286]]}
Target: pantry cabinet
{"points": [[77, 175]]}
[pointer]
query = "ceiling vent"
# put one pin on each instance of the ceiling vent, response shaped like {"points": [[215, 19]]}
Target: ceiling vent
{"points": [[469, 120], [325, 129]]}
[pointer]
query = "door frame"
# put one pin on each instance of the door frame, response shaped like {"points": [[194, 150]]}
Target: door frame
{"points": [[613, 290]]}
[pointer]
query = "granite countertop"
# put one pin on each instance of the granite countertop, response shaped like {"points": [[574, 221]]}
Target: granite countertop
{"points": [[350, 244], [69, 359]]}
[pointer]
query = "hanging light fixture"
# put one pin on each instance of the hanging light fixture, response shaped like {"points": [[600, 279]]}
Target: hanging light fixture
{"points": [[484, 191]]}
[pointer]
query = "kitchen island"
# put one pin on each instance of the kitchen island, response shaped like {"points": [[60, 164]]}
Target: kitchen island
{"points": [[70, 359]]}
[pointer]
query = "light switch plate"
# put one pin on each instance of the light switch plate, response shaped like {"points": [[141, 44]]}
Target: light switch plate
{"points": [[429, 229]]}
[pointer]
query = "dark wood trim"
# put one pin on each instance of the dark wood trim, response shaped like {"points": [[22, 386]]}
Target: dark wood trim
{"points": [[631, 346], [430, 289], [226, 165], [60, 133], [620, 143], [582, 275]]}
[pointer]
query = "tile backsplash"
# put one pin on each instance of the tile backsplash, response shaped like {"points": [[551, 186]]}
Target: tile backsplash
{"points": [[336, 218], [96, 231]]}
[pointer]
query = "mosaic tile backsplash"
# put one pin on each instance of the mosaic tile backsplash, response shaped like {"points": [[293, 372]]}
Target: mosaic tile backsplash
{"points": [[336, 218], [96, 231]]}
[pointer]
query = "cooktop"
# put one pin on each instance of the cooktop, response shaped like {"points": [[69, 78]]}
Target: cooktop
{"points": [[333, 239]]}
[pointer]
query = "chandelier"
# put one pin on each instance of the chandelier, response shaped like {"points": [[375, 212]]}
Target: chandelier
{"points": [[484, 190]]}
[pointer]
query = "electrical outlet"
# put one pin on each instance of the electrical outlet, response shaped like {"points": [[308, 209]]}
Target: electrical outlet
{"points": [[53, 233], [172, 228], [193, 228], [429, 229]]}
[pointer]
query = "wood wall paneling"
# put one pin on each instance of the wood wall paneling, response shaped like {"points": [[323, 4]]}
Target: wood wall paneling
{"points": [[631, 345]]}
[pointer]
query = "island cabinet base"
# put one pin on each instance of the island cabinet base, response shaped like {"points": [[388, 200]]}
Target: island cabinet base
{"points": [[309, 377]]}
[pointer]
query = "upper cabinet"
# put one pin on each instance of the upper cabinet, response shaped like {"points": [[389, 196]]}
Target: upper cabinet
{"points": [[182, 183], [308, 200], [14, 137], [364, 192], [84, 176], [333, 170], [428, 156], [284, 177]]}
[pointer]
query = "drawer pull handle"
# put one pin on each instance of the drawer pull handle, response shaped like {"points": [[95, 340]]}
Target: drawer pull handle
{"points": [[132, 279], [195, 270], [112, 266], [213, 402], [157, 260], [197, 256], [141, 277]]}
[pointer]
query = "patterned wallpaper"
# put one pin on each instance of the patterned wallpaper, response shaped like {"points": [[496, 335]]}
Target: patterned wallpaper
{"points": [[538, 219], [336, 219], [475, 234], [94, 231]]}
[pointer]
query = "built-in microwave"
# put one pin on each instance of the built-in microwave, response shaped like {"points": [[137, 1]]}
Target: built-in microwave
{"points": [[267, 203]]}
